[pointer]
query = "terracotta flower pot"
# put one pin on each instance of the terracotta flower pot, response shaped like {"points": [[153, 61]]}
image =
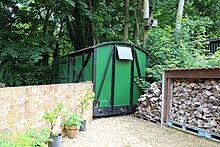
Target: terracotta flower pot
{"points": [[73, 132]]}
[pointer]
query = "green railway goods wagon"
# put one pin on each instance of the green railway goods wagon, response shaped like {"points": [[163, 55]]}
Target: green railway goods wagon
{"points": [[112, 67]]}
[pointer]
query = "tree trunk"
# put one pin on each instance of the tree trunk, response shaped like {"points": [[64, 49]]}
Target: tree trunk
{"points": [[126, 26], [146, 16], [146, 9], [137, 21], [179, 15], [56, 50], [92, 24], [46, 54]]}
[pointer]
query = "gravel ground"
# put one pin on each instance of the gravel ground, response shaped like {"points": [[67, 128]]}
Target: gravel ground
{"points": [[129, 131]]}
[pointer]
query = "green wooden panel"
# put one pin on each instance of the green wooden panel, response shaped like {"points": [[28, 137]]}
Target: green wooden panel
{"points": [[88, 69], [71, 70], [101, 63], [78, 60], [122, 82], [142, 61], [61, 69], [142, 64]]}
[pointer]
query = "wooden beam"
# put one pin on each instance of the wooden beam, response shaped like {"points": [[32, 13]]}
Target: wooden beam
{"points": [[193, 73]]}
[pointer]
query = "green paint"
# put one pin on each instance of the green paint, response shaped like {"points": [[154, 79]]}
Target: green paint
{"points": [[78, 66], [71, 71], [122, 82], [61, 68], [122, 74], [142, 64], [88, 69], [142, 61], [101, 63]]}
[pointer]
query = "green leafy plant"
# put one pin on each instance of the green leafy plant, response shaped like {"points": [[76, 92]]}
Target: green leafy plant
{"points": [[84, 103], [6, 139], [72, 119], [40, 137], [51, 116], [31, 138], [144, 85], [170, 49], [23, 139]]}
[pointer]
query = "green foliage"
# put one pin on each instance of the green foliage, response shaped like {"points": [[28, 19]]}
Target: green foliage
{"points": [[51, 116], [72, 119], [84, 103], [31, 138], [23, 139], [205, 8], [25, 75], [33, 32], [5, 139], [40, 137], [144, 85], [169, 49], [109, 21]]}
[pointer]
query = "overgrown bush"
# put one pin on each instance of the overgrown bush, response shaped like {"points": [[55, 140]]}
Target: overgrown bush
{"points": [[25, 75], [170, 49]]}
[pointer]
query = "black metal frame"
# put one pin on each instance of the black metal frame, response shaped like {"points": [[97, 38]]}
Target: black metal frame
{"points": [[113, 77], [92, 52], [132, 76]]}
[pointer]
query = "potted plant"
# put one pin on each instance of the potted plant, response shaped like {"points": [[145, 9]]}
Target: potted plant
{"points": [[72, 122], [84, 103], [51, 117]]}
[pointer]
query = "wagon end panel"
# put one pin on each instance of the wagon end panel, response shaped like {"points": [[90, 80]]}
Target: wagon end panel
{"points": [[87, 73], [60, 70]]}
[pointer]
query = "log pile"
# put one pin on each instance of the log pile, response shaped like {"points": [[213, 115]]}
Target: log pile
{"points": [[149, 104], [197, 103]]}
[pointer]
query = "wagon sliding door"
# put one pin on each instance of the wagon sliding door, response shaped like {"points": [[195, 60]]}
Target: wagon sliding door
{"points": [[122, 86], [103, 79]]}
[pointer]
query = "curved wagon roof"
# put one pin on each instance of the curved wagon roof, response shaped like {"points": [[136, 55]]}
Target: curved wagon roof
{"points": [[104, 44]]}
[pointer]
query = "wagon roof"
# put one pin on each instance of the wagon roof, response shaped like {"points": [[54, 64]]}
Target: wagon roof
{"points": [[104, 44]]}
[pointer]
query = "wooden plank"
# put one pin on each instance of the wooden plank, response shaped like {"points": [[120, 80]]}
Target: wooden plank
{"points": [[193, 73], [169, 98], [164, 102]]}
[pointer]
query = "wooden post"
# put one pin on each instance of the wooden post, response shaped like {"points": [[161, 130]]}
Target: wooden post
{"points": [[169, 98], [163, 100]]}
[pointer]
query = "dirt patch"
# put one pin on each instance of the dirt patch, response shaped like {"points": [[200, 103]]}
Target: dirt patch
{"points": [[129, 131]]}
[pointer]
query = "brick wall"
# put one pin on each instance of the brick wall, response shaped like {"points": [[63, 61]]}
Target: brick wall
{"points": [[23, 107]]}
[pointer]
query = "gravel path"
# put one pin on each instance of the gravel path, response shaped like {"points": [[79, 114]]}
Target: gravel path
{"points": [[129, 131]]}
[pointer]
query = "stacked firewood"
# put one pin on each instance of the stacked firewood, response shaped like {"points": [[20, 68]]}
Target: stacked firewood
{"points": [[149, 106], [197, 103]]}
